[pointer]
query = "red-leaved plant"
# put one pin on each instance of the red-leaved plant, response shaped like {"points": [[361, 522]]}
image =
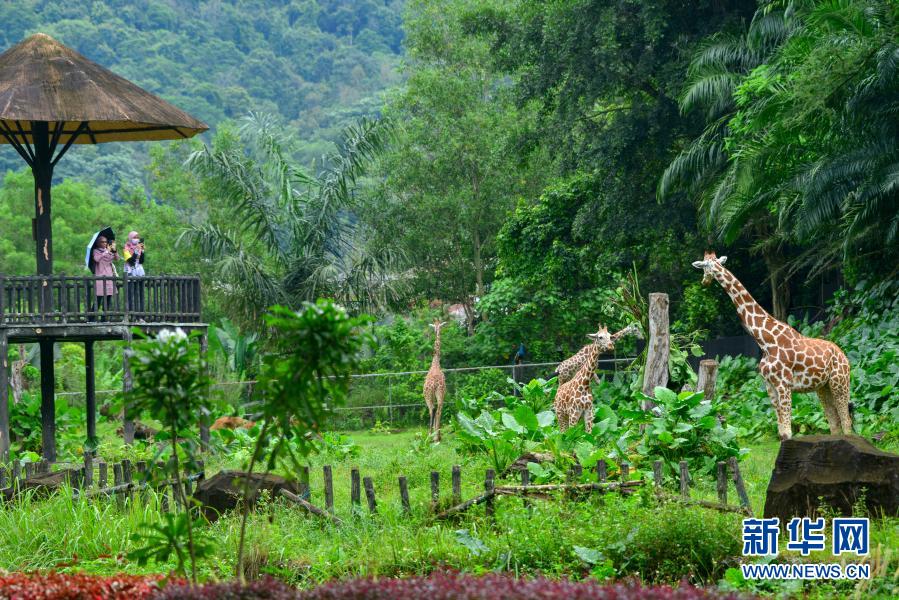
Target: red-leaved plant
{"points": [[60, 586]]}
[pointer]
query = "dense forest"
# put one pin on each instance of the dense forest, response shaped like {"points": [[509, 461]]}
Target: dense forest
{"points": [[317, 64]]}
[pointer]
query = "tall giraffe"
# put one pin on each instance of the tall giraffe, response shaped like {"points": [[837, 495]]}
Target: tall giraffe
{"points": [[435, 385], [574, 397], [791, 361], [570, 366]]}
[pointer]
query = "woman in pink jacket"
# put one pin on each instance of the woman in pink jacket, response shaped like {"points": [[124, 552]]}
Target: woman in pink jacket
{"points": [[104, 253]]}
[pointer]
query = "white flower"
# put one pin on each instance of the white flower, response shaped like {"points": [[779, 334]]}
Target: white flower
{"points": [[167, 334]]}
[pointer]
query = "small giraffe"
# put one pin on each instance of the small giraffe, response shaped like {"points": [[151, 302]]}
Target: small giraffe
{"points": [[435, 385], [791, 361], [574, 398], [570, 366]]}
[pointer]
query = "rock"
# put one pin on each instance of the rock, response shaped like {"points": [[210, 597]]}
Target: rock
{"points": [[835, 468], [231, 423], [223, 491], [521, 464], [141, 431]]}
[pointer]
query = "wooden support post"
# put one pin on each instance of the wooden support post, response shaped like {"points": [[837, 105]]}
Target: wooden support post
{"points": [[4, 396], [204, 419], [127, 385], [29, 470], [489, 509], [708, 376], [118, 479], [102, 474], [127, 474], [370, 495], [16, 471], [44, 465], [88, 469], [355, 491], [657, 474], [721, 482], [90, 394], [738, 483], [142, 474], [311, 508], [48, 402], [601, 471], [329, 487], [625, 471], [404, 495], [435, 490], [457, 484], [656, 372], [684, 480]]}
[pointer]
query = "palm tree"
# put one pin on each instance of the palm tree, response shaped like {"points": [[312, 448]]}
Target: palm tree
{"points": [[286, 236]]}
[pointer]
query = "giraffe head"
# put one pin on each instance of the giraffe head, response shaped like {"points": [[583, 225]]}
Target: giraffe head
{"points": [[438, 325], [710, 264], [603, 339]]}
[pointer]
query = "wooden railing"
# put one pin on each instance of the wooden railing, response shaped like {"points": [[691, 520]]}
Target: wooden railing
{"points": [[40, 300]]}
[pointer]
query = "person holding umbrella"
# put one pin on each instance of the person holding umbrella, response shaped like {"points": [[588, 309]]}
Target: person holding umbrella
{"points": [[102, 254]]}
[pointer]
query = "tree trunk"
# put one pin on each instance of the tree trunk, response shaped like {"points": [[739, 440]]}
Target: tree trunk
{"points": [[17, 380], [656, 372], [780, 284]]}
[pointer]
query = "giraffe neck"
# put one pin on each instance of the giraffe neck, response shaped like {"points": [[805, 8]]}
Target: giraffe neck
{"points": [[436, 359], [585, 373], [755, 319]]}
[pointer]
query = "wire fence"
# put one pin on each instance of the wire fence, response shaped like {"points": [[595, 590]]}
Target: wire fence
{"points": [[392, 399]]}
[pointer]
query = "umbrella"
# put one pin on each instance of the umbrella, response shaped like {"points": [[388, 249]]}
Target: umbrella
{"points": [[52, 97], [106, 232]]}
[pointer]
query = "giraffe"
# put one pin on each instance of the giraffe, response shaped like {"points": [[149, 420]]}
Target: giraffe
{"points": [[570, 366], [791, 361], [574, 398], [435, 385]]}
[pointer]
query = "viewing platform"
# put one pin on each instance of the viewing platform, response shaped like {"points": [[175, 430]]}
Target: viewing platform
{"points": [[47, 309]]}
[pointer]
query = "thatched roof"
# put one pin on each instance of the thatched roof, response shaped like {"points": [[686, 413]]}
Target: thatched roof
{"points": [[42, 80]]}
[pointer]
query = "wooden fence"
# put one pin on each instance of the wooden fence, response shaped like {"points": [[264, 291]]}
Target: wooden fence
{"points": [[32, 300]]}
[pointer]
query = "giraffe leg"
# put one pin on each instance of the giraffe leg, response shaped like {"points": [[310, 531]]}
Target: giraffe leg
{"points": [[825, 395], [562, 418], [839, 391], [588, 417], [438, 411], [782, 399]]}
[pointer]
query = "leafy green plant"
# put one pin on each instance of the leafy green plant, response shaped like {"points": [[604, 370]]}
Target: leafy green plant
{"points": [[307, 373], [171, 384], [162, 540]]}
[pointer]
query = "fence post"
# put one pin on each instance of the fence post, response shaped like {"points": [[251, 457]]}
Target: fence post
{"points": [[601, 470], [404, 494], [721, 482], [355, 491], [303, 483], [370, 495], [738, 482], [708, 375], [656, 372], [329, 487], [88, 470], [102, 474], [488, 488], [684, 480], [435, 490], [457, 484], [526, 481], [657, 474], [625, 471]]}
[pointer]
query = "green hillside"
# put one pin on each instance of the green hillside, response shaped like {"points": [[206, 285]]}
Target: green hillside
{"points": [[317, 64]]}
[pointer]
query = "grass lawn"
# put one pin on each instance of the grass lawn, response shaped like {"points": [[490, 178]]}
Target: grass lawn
{"points": [[603, 537]]}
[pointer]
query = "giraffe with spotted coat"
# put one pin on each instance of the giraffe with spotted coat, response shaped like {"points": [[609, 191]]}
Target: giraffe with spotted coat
{"points": [[569, 367], [574, 398], [435, 385], [791, 362]]}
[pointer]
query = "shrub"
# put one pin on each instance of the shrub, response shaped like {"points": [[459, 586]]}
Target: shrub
{"points": [[58, 586], [456, 586]]}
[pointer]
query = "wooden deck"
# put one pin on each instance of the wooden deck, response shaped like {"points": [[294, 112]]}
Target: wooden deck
{"points": [[50, 309]]}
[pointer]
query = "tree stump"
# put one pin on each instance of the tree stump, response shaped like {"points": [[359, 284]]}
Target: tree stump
{"points": [[225, 490], [835, 469]]}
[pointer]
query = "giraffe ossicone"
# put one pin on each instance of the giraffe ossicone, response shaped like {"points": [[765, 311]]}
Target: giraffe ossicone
{"points": [[435, 385], [571, 365], [791, 361]]}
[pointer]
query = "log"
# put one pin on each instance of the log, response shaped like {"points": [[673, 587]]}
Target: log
{"points": [[835, 469], [404, 494], [656, 371], [465, 505], [705, 504], [329, 488], [457, 484], [310, 507], [370, 495]]}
